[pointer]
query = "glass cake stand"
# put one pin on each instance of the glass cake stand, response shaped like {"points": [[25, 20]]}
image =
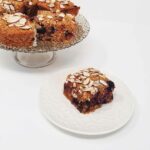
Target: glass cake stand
{"points": [[44, 53]]}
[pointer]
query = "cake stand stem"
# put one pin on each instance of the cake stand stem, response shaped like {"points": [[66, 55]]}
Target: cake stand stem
{"points": [[35, 60]]}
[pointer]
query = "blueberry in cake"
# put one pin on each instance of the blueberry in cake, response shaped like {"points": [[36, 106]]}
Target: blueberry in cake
{"points": [[24, 23], [88, 89]]}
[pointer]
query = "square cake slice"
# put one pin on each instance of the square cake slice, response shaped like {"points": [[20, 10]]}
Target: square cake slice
{"points": [[88, 89]]}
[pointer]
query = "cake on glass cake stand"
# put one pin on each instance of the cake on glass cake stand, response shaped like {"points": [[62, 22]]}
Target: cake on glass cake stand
{"points": [[44, 54]]}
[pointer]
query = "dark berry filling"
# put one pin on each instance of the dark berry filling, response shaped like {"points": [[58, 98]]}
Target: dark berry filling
{"points": [[68, 35], [111, 86], [97, 100], [32, 11], [41, 30], [52, 30]]}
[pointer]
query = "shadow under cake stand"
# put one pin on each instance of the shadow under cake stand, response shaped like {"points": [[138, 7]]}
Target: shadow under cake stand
{"points": [[44, 54]]}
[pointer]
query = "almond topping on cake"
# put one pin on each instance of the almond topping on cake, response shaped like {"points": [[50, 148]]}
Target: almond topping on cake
{"points": [[51, 5], [88, 94], [12, 19], [17, 20], [41, 0], [53, 1], [49, 17], [61, 15], [62, 6], [26, 27], [86, 81]]}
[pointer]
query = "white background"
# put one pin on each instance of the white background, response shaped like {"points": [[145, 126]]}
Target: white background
{"points": [[119, 42]]}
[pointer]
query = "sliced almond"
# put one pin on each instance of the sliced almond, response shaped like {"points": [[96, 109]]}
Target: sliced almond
{"points": [[62, 6], [86, 74], [41, 0], [57, 11], [71, 16], [71, 80], [74, 84], [7, 7], [17, 24], [81, 87], [78, 81], [76, 74], [13, 19], [88, 89], [102, 76], [65, 2], [18, 14], [94, 91], [12, 7], [73, 22], [30, 3], [80, 92], [48, 1], [96, 83], [51, 5], [53, 1], [91, 83], [103, 82], [27, 27], [83, 77], [61, 15], [11, 25], [74, 95], [71, 76], [86, 81], [23, 21], [49, 17], [93, 70], [95, 74], [40, 18]]}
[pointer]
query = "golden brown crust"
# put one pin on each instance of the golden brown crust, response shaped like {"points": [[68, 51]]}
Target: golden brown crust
{"points": [[88, 89]]}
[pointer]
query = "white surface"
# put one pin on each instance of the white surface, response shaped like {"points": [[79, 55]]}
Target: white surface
{"points": [[119, 41], [59, 111]]}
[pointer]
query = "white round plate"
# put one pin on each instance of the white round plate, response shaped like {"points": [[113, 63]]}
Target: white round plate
{"points": [[109, 118]]}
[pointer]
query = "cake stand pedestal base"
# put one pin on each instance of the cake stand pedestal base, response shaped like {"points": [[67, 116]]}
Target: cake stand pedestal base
{"points": [[35, 60]]}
